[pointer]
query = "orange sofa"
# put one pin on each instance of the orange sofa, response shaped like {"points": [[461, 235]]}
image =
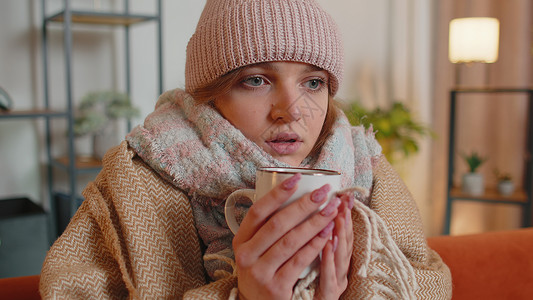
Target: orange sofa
{"points": [[20, 288], [493, 265]]}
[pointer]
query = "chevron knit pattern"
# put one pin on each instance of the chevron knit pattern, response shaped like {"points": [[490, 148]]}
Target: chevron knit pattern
{"points": [[431, 274], [142, 246], [374, 272], [134, 238]]}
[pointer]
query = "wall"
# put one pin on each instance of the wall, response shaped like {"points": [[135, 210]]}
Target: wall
{"points": [[20, 171], [387, 52]]}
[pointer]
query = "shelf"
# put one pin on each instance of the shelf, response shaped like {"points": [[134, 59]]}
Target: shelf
{"points": [[102, 18], [491, 195], [492, 90], [34, 113], [83, 164]]}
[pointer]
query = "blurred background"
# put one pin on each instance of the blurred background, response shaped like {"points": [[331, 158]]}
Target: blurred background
{"points": [[396, 56]]}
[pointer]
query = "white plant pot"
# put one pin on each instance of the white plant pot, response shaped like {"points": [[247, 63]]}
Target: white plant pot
{"points": [[473, 184], [506, 187], [105, 139], [82, 144]]}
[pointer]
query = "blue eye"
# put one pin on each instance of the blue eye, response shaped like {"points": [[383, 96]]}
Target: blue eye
{"points": [[254, 81], [314, 84]]}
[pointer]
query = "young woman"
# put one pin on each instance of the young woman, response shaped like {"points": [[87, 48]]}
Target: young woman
{"points": [[260, 81]]}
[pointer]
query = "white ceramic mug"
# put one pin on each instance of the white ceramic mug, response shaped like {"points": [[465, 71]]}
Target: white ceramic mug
{"points": [[268, 177]]}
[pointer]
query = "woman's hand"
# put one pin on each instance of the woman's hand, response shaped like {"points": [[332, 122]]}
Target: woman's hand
{"points": [[273, 247], [337, 254]]}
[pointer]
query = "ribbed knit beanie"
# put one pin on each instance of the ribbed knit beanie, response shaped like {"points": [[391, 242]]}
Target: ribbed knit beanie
{"points": [[235, 33]]}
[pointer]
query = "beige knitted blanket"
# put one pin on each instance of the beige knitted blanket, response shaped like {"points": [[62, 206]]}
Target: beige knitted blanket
{"points": [[134, 237]]}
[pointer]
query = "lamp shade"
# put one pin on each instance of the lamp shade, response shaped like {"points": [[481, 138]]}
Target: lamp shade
{"points": [[474, 40]]}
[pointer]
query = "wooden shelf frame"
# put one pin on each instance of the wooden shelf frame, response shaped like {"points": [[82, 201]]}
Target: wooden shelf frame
{"points": [[83, 164], [100, 18], [522, 197]]}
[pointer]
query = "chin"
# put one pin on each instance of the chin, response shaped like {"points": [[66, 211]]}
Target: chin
{"points": [[293, 162]]}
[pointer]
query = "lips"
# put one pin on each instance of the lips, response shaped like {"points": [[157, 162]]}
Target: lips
{"points": [[285, 143]]}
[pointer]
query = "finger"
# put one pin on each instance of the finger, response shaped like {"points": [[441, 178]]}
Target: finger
{"points": [[293, 267], [348, 199], [349, 229], [290, 218], [347, 203], [343, 252], [328, 280], [340, 249], [295, 239], [261, 210]]}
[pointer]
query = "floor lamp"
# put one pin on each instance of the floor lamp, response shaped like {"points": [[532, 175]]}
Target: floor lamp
{"points": [[473, 40]]}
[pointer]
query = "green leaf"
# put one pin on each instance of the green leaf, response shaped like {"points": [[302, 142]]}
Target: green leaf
{"points": [[96, 109], [396, 128]]}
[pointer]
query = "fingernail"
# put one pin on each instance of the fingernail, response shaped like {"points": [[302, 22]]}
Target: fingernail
{"points": [[351, 201], [335, 243], [331, 207], [318, 195], [327, 230], [291, 182]]}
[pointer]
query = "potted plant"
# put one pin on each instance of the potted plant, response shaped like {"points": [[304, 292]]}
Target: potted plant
{"points": [[397, 131], [97, 114], [505, 184], [473, 182]]}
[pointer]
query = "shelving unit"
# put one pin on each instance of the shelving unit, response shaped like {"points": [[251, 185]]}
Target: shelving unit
{"points": [[72, 165], [522, 198]]}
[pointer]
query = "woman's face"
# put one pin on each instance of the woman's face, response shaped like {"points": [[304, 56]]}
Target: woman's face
{"points": [[281, 106]]}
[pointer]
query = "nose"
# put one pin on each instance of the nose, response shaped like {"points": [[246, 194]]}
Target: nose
{"points": [[285, 104]]}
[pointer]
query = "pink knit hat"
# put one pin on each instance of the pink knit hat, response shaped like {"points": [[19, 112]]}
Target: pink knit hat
{"points": [[235, 33]]}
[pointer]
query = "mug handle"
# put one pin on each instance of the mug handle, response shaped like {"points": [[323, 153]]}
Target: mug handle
{"points": [[229, 210]]}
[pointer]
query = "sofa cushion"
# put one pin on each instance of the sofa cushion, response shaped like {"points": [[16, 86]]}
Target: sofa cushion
{"points": [[21, 288], [492, 265]]}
